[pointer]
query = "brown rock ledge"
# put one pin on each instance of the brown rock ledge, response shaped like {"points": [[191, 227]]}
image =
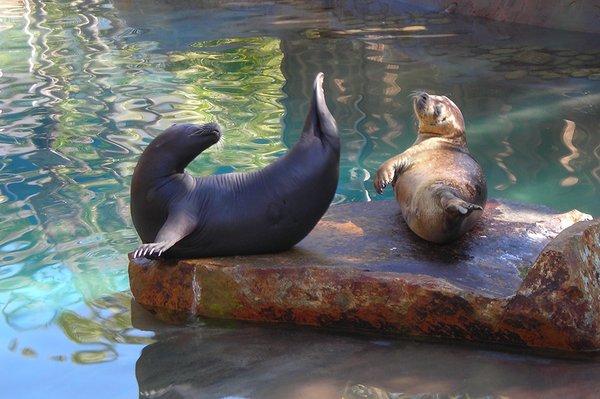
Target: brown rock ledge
{"points": [[361, 269]]}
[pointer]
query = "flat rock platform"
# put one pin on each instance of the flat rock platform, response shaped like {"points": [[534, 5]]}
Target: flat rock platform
{"points": [[524, 276]]}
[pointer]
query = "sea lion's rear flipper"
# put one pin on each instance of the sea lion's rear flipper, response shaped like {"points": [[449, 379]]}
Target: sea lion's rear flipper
{"points": [[454, 205], [319, 121], [178, 225]]}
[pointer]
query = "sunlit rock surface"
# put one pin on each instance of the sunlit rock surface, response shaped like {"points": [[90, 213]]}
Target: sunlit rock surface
{"points": [[513, 280]]}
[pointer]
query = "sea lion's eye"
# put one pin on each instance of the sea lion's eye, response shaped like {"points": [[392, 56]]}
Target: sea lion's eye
{"points": [[437, 110]]}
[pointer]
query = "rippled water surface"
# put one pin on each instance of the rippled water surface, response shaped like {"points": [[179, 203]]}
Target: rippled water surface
{"points": [[85, 85]]}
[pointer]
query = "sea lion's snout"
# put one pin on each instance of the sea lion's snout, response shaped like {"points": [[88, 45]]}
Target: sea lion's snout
{"points": [[423, 104], [421, 101], [209, 130]]}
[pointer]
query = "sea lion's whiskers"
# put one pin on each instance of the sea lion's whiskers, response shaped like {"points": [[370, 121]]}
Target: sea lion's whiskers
{"points": [[416, 93], [220, 145]]}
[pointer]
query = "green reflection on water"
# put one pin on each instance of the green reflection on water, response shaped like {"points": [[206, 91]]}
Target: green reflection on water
{"points": [[236, 82], [108, 324]]}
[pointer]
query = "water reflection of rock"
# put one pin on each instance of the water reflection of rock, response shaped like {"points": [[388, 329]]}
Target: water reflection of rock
{"points": [[108, 324], [217, 360], [95, 332], [550, 59]]}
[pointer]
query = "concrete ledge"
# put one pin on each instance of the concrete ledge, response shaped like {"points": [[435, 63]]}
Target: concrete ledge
{"points": [[513, 280], [572, 15]]}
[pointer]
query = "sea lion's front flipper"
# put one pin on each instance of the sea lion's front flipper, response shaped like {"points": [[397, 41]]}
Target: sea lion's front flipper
{"points": [[319, 121], [455, 205], [389, 171], [178, 225]]}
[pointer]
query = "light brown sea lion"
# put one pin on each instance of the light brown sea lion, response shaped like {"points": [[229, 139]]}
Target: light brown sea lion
{"points": [[440, 187]]}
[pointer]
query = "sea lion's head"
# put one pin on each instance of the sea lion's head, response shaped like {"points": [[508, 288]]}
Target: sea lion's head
{"points": [[181, 143], [438, 115], [196, 138]]}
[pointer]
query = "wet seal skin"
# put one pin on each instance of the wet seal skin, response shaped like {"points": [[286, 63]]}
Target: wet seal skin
{"points": [[440, 187], [181, 216]]}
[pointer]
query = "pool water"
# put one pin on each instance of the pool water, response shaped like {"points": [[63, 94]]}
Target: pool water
{"points": [[85, 85]]}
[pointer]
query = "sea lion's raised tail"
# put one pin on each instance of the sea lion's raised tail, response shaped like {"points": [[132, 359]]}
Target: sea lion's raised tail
{"points": [[319, 121]]}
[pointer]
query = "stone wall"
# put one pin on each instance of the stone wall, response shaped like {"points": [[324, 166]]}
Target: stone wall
{"points": [[575, 15]]}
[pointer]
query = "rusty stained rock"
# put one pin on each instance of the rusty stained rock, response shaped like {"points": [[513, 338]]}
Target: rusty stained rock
{"points": [[362, 269]]}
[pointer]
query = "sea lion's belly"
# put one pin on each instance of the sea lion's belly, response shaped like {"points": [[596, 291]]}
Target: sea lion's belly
{"points": [[417, 192], [449, 168], [267, 211]]}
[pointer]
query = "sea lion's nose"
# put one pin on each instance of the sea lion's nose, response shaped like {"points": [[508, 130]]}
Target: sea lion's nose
{"points": [[422, 100]]}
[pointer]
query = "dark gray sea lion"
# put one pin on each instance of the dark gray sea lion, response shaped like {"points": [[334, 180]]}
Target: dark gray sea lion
{"points": [[270, 210], [440, 187]]}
